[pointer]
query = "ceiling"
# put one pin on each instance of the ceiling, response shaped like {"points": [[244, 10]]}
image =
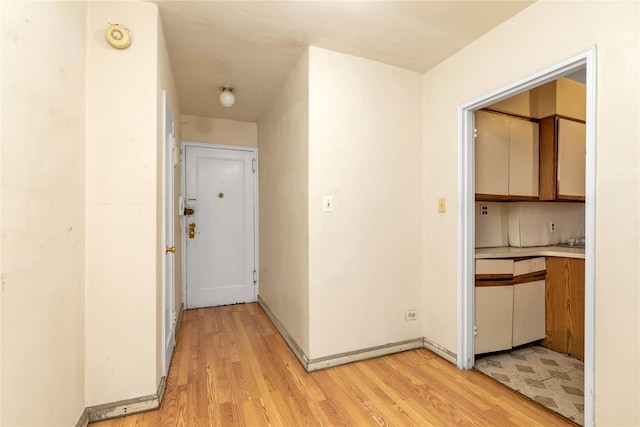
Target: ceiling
{"points": [[252, 45]]}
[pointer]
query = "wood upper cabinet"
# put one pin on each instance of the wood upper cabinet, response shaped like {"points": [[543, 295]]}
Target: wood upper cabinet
{"points": [[506, 157], [562, 159]]}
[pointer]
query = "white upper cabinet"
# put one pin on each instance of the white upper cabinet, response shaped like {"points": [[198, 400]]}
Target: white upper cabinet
{"points": [[571, 159], [507, 156], [523, 158], [492, 153]]}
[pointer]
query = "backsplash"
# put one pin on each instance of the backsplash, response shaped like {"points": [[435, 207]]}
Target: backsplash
{"points": [[524, 224]]}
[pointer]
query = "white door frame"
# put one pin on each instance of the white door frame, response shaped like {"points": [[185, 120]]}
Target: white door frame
{"points": [[183, 221], [168, 281], [466, 214]]}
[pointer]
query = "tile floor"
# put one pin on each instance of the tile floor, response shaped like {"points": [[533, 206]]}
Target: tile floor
{"points": [[552, 379]]}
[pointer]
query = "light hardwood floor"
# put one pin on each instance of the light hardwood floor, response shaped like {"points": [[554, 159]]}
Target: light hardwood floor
{"points": [[231, 367]]}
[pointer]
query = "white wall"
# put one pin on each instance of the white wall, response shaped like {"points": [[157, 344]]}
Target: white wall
{"points": [[365, 258], [42, 211], [122, 180], [283, 134], [569, 28], [527, 223], [219, 131]]}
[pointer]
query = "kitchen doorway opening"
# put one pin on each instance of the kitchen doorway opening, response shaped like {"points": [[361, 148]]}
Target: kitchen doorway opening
{"points": [[466, 218]]}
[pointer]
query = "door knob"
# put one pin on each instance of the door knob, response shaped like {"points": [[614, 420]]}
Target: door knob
{"points": [[168, 249], [192, 230]]}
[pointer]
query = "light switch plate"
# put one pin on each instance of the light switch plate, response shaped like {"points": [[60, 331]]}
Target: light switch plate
{"points": [[327, 203], [442, 205]]}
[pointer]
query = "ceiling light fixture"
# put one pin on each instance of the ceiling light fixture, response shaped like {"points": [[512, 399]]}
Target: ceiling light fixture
{"points": [[227, 98]]}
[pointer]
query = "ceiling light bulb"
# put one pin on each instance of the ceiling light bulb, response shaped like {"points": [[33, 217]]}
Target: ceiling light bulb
{"points": [[227, 99]]}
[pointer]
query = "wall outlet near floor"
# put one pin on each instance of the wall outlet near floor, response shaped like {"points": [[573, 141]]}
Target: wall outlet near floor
{"points": [[411, 315], [484, 210], [552, 227]]}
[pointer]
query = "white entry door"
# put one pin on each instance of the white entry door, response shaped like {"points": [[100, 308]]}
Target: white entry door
{"points": [[220, 226]]}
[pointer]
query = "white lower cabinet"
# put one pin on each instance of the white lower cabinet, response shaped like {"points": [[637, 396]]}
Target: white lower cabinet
{"points": [[493, 318], [509, 303], [528, 312]]}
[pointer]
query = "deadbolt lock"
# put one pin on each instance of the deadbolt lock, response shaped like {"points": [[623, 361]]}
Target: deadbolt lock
{"points": [[188, 211], [192, 230]]}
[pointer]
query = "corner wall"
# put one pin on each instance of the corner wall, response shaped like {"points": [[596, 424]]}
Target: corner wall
{"points": [[283, 134], [512, 51], [42, 209], [365, 149], [122, 245]]}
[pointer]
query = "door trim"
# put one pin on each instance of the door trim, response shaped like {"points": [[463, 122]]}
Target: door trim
{"points": [[466, 214], [183, 222], [168, 175]]}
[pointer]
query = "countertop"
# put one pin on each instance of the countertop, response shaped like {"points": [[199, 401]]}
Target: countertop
{"points": [[513, 252]]}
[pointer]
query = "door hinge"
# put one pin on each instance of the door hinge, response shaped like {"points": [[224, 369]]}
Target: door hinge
{"points": [[253, 165], [174, 318], [255, 276]]}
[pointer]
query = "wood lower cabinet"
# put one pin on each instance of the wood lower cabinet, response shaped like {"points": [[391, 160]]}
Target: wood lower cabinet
{"points": [[565, 306]]}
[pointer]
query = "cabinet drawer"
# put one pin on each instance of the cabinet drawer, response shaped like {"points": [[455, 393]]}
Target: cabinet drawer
{"points": [[529, 267], [494, 269]]}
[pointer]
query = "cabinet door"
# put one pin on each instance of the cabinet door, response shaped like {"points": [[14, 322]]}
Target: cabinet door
{"points": [[528, 312], [493, 318], [571, 159], [523, 158], [492, 153], [565, 306]]}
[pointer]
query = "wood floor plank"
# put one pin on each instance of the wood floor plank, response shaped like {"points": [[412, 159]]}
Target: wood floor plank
{"points": [[231, 368]]}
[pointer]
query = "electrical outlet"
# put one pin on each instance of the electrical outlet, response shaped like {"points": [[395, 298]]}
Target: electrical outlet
{"points": [[484, 210], [552, 227], [411, 315]]}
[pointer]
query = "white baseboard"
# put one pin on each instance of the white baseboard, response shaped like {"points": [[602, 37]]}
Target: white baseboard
{"points": [[84, 418], [311, 365], [123, 407], [447, 355], [293, 345], [364, 354]]}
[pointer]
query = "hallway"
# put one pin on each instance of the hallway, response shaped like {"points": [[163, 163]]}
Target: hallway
{"points": [[231, 367]]}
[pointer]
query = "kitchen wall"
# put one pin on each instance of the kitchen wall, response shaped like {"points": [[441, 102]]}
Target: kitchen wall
{"points": [[527, 223], [569, 28], [365, 258], [283, 132], [42, 194]]}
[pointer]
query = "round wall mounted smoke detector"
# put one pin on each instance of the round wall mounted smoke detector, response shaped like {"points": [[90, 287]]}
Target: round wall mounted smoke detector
{"points": [[118, 36]]}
